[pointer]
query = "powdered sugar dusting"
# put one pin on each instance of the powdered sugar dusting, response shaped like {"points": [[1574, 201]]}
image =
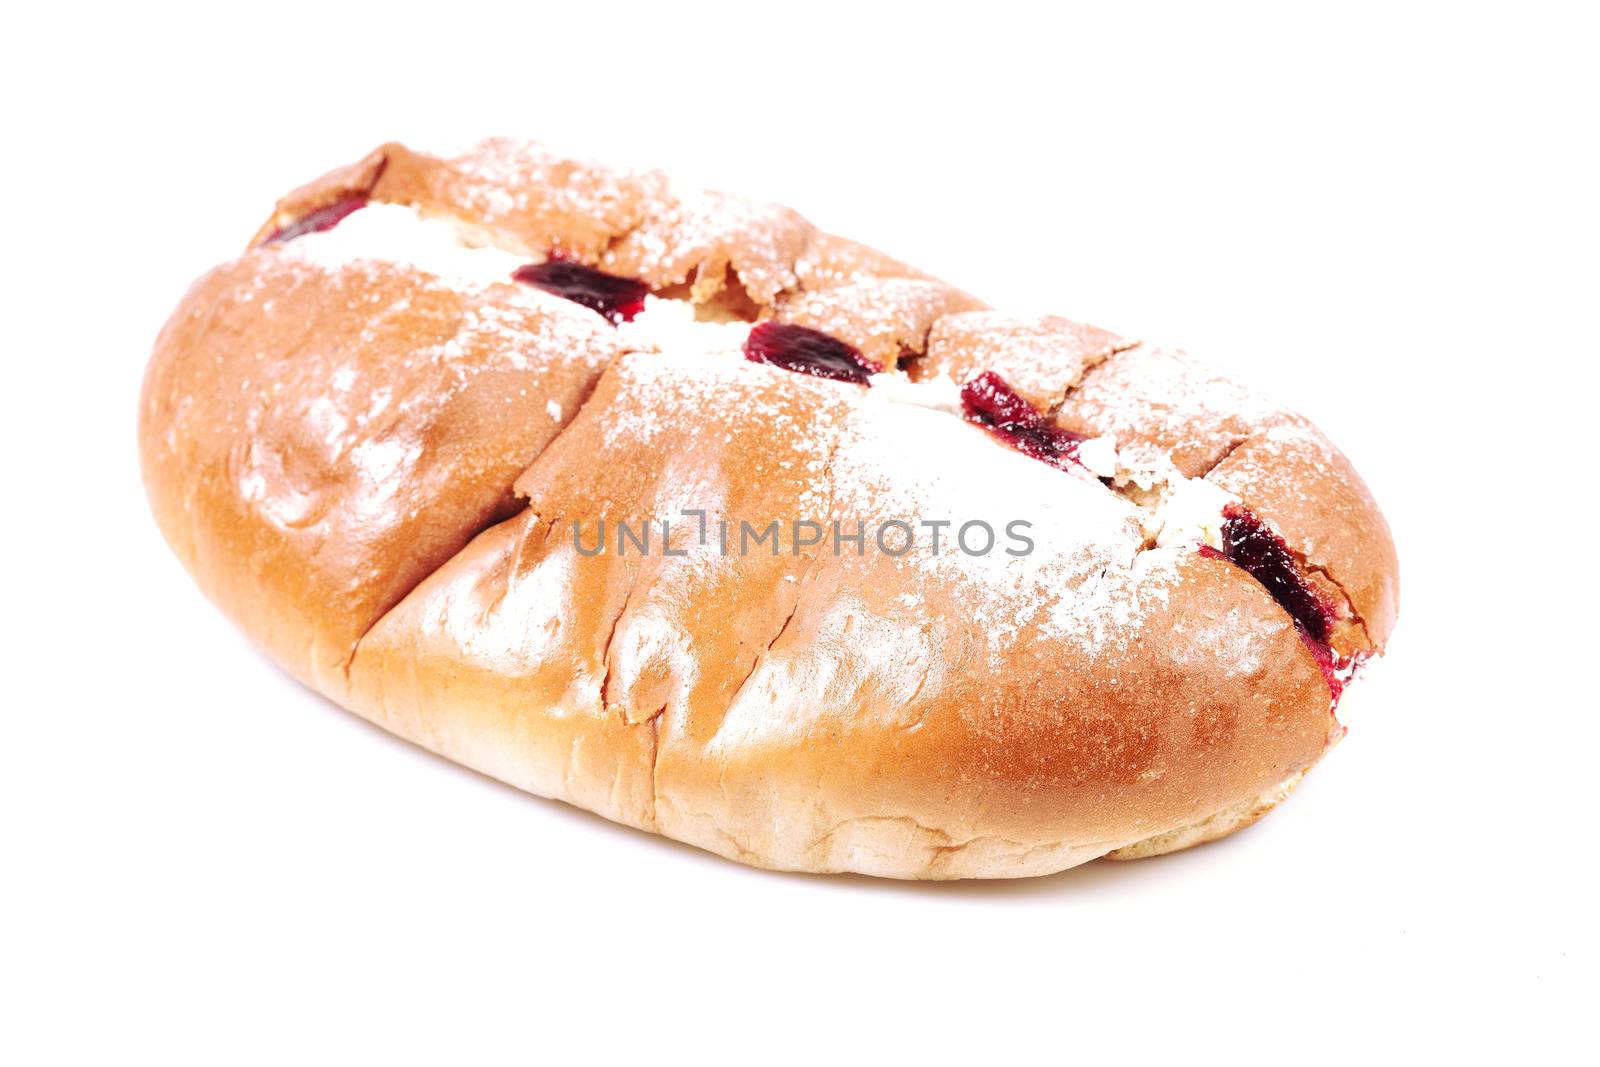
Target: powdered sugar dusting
{"points": [[1039, 357], [1170, 400], [507, 180], [1261, 463], [880, 316], [1109, 608], [908, 463], [1086, 575], [674, 393], [699, 234]]}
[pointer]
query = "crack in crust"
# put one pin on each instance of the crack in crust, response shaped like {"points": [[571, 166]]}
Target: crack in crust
{"points": [[1223, 458], [518, 504]]}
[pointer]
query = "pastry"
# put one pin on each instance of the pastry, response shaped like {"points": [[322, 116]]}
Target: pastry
{"points": [[671, 506]]}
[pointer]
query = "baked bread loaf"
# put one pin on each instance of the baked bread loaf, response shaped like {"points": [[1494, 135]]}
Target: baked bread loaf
{"points": [[670, 506]]}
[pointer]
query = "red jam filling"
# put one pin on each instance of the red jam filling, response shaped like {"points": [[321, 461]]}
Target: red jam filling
{"points": [[994, 405], [618, 299], [320, 220], [807, 351], [1326, 662], [1248, 543]]}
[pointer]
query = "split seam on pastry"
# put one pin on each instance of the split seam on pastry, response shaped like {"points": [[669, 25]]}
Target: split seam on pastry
{"points": [[1058, 400], [799, 584], [521, 504]]}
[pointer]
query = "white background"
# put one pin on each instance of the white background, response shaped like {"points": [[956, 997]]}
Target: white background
{"points": [[1384, 215]]}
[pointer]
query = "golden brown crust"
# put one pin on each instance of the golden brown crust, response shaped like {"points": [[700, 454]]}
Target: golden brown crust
{"points": [[316, 442], [376, 473], [1219, 824]]}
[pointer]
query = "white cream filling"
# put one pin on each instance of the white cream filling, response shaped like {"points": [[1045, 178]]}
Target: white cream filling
{"points": [[396, 233], [1175, 510], [681, 326], [1190, 511], [941, 393], [1099, 456]]}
